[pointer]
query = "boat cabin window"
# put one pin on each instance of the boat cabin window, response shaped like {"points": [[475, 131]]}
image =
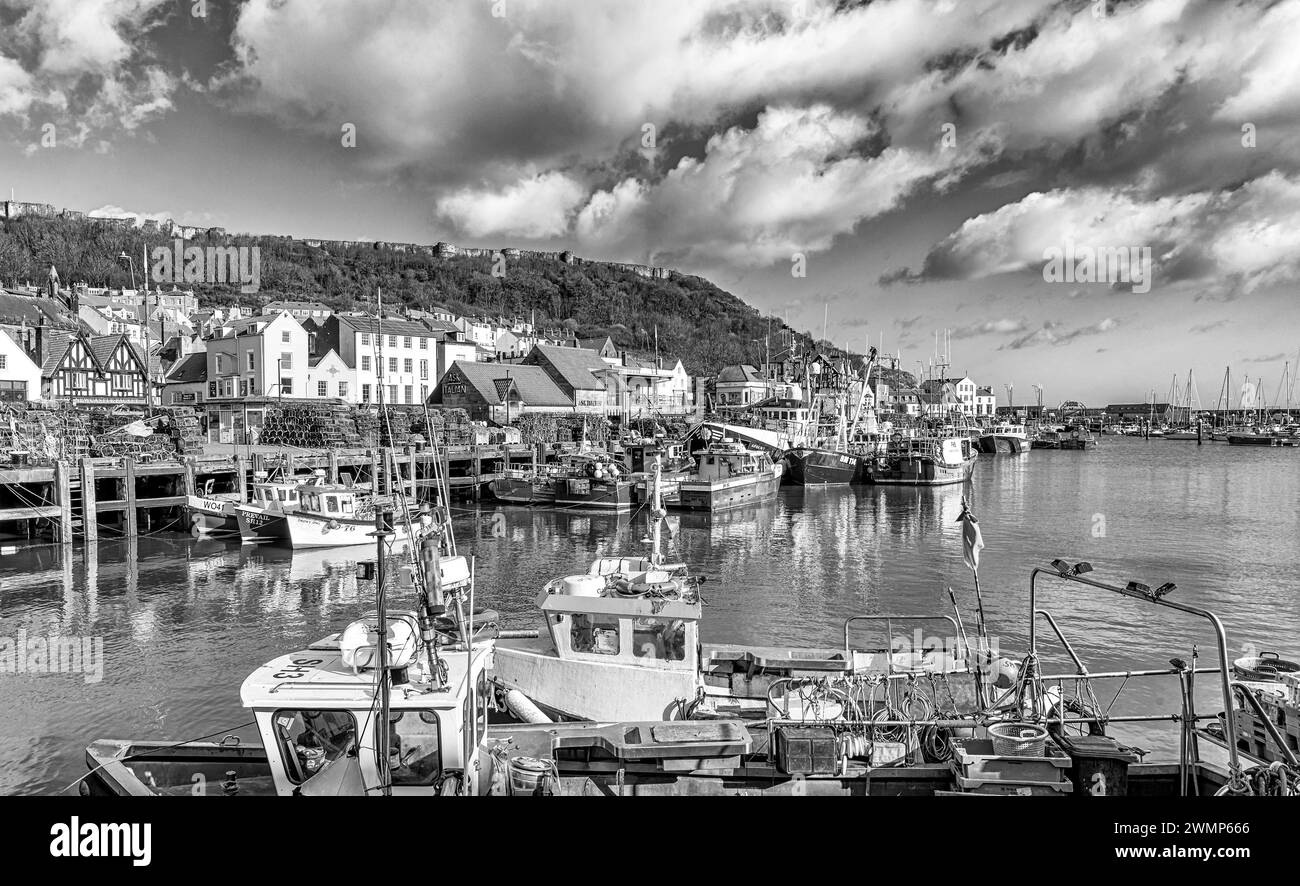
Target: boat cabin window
{"points": [[414, 751], [310, 739], [659, 638], [331, 504], [347, 505], [595, 634], [284, 495]]}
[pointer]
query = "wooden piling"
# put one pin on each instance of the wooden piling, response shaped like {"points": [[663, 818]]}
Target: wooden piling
{"points": [[63, 498], [132, 516], [89, 516], [241, 478], [333, 476]]}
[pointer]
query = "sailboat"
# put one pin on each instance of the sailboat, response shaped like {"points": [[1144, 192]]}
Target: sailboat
{"points": [[1185, 424]]}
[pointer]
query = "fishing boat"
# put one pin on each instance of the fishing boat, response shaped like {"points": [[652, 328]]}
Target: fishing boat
{"points": [[333, 517], [1075, 437], [593, 482], [213, 515], [524, 488], [809, 466], [1264, 436], [262, 519], [924, 461], [728, 475], [1006, 437]]}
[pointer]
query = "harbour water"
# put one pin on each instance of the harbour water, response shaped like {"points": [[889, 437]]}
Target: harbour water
{"points": [[183, 622]]}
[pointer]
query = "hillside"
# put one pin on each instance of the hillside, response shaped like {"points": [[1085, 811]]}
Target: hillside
{"points": [[703, 325]]}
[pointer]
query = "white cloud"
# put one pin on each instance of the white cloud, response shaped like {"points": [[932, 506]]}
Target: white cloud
{"points": [[535, 207]]}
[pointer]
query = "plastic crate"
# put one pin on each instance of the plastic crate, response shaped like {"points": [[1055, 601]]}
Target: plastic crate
{"points": [[974, 758], [998, 787]]}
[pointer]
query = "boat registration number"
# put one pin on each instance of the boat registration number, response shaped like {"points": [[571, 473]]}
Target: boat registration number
{"points": [[297, 668]]}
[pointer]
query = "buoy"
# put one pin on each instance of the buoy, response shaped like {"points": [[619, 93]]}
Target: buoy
{"points": [[523, 708]]}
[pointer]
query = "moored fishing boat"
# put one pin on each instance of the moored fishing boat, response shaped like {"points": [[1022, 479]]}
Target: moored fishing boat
{"points": [[213, 515], [262, 518], [924, 461], [334, 516], [1004, 437], [728, 475], [809, 466]]}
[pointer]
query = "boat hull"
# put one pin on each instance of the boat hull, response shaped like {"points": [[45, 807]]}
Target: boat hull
{"points": [[258, 525], [1262, 440], [311, 531], [919, 472], [821, 467], [595, 495], [212, 517], [723, 495], [514, 490], [994, 444]]}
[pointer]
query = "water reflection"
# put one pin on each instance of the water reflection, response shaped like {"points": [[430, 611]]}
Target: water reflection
{"points": [[185, 621]]}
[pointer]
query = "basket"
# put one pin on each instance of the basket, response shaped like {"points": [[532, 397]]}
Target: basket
{"points": [[1264, 668], [1018, 739]]}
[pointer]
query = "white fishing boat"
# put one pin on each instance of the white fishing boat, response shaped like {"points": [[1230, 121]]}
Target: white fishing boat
{"points": [[728, 475], [1005, 436], [213, 515], [334, 516]]}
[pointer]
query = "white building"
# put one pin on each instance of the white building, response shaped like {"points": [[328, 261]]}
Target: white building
{"points": [[263, 356], [20, 378], [399, 354]]}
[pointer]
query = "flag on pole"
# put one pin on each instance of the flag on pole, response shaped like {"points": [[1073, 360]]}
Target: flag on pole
{"points": [[972, 540]]}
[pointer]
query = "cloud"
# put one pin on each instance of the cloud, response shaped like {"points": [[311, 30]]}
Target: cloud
{"points": [[536, 206], [1249, 235], [1268, 358], [1053, 333], [1202, 328], [85, 67], [1004, 326]]}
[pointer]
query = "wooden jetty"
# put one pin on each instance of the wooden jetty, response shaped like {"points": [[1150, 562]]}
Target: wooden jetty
{"points": [[73, 499]]}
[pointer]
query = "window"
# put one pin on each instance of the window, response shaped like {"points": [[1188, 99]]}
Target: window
{"points": [[284, 336], [286, 387], [332, 504], [310, 739], [424, 344], [392, 364], [409, 392], [243, 387], [392, 393], [4, 361], [424, 369], [659, 638], [219, 356], [365, 393], [408, 365], [424, 393], [415, 757], [286, 361], [392, 341], [365, 339], [252, 361], [595, 635], [343, 389], [406, 342], [322, 389], [365, 364], [212, 389]]}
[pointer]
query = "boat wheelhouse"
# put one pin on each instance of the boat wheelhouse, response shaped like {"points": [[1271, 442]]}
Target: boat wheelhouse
{"points": [[262, 518], [729, 475]]}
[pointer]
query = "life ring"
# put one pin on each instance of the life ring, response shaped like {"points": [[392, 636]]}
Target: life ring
{"points": [[331, 525]]}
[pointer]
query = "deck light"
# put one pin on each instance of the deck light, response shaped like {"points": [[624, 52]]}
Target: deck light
{"points": [[1167, 588], [1081, 568], [1138, 587], [1061, 566]]}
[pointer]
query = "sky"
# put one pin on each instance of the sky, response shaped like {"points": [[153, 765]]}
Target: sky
{"points": [[878, 171]]}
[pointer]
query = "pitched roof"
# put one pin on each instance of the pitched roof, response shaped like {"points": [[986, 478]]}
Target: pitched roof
{"points": [[387, 326], [15, 309], [740, 373], [577, 366], [190, 368], [534, 386], [55, 350]]}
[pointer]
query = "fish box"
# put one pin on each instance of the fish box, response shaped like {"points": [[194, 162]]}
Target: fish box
{"points": [[997, 787], [807, 750], [974, 758]]}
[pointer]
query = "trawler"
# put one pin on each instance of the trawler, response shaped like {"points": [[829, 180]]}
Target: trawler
{"points": [[1005, 436], [213, 515], [924, 461], [591, 480]]}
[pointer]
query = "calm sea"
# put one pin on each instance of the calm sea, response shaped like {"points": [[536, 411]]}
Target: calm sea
{"points": [[183, 622]]}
